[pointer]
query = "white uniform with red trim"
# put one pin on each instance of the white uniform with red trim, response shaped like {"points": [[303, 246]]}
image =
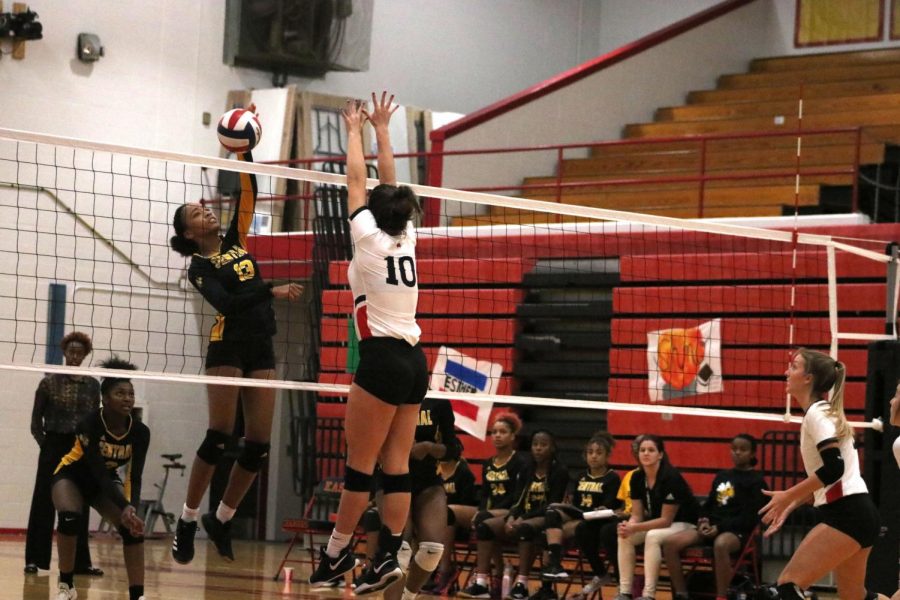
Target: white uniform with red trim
{"points": [[383, 280], [817, 431]]}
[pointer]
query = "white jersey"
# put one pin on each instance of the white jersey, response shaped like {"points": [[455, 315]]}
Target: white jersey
{"points": [[383, 280], [817, 431]]}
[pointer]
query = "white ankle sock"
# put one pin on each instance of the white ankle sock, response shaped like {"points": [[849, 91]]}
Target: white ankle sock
{"points": [[337, 542], [189, 515], [225, 513]]}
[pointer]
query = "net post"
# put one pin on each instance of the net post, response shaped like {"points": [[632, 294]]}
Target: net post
{"points": [[832, 301], [890, 306]]}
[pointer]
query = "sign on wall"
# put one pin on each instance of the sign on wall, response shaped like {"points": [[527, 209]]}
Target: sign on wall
{"points": [[455, 372], [685, 362]]}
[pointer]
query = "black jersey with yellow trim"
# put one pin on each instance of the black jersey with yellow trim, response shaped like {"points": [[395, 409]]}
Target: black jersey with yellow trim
{"points": [[230, 280], [535, 491], [499, 488], [592, 493], [436, 424], [98, 454]]}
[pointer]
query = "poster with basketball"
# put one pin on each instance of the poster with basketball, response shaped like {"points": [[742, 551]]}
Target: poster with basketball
{"points": [[685, 361], [455, 372]]}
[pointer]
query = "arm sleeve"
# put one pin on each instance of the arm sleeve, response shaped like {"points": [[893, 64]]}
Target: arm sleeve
{"points": [[37, 411], [819, 426], [362, 224], [636, 490], [90, 442], [134, 480], [709, 505], [610, 498], [518, 496], [221, 299], [447, 429], [243, 211], [465, 487]]}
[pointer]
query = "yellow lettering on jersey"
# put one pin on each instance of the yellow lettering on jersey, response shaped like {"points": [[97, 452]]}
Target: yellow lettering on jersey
{"points": [[115, 451], [450, 487], [496, 475], [228, 256], [590, 486], [425, 417]]}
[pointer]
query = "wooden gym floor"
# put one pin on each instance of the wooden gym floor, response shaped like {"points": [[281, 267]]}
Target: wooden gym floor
{"points": [[207, 578]]}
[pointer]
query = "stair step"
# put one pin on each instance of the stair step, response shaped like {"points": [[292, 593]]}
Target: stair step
{"points": [[570, 278], [549, 388], [557, 341], [602, 309], [559, 370]]}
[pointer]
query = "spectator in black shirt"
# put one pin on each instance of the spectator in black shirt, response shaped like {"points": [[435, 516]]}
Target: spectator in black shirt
{"points": [[60, 402], [727, 519], [662, 505]]}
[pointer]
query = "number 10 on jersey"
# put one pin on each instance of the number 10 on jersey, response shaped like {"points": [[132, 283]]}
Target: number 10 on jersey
{"points": [[406, 265]]}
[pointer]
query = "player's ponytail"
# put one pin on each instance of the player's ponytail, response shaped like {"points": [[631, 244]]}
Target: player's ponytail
{"points": [[828, 375], [393, 207], [179, 243]]}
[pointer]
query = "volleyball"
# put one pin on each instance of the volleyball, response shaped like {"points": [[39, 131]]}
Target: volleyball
{"points": [[239, 130]]}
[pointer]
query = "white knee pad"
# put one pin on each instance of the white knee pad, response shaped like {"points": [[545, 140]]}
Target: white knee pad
{"points": [[403, 556], [428, 556]]}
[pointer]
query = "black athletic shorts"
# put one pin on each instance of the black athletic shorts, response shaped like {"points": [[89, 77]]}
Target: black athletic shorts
{"points": [[254, 354], [392, 370], [854, 515], [86, 484]]}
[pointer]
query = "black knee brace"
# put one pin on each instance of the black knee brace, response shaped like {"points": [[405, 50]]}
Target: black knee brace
{"points": [[357, 481], [553, 519], [480, 517], [484, 532], [68, 522], [371, 520], [396, 484], [526, 532], [451, 517], [127, 538], [213, 446], [252, 455]]}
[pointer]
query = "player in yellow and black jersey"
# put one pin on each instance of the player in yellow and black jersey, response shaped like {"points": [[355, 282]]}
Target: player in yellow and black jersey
{"points": [[106, 439], [594, 490], [240, 345]]}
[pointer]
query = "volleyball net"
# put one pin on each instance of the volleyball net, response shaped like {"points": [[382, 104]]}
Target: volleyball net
{"points": [[525, 301]]}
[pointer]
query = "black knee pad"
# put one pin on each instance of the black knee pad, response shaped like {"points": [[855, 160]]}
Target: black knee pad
{"points": [[68, 522], [483, 532], [213, 446], [252, 455], [127, 538], [480, 517], [357, 481], [526, 532], [451, 517], [871, 595], [553, 519], [396, 484], [371, 520]]}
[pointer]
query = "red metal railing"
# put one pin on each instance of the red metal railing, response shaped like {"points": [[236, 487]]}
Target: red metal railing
{"points": [[701, 177]]}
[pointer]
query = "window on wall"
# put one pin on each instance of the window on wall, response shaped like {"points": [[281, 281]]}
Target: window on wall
{"points": [[827, 22]]}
